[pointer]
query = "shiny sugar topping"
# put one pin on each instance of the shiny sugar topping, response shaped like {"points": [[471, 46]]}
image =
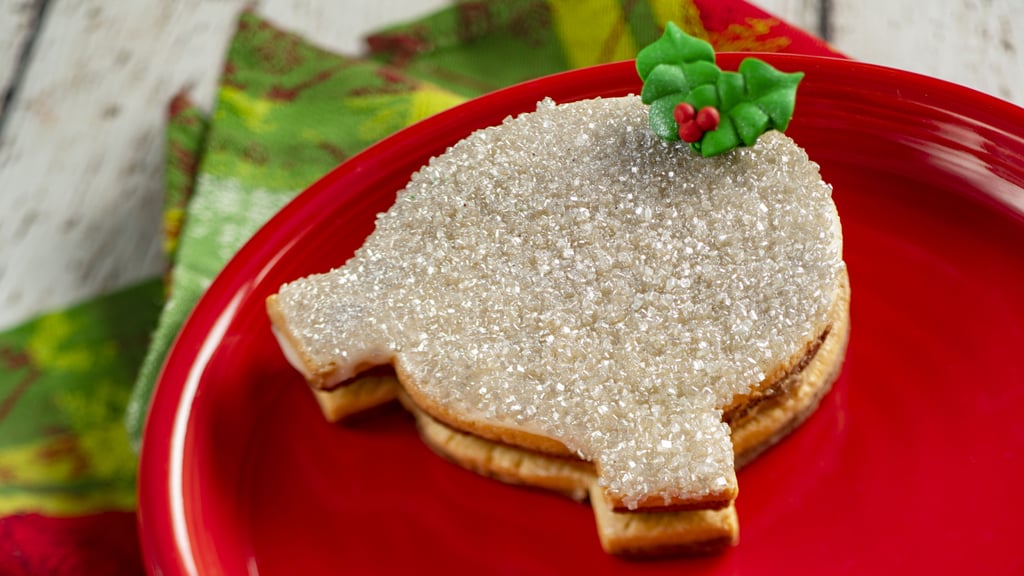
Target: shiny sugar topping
{"points": [[571, 274]]}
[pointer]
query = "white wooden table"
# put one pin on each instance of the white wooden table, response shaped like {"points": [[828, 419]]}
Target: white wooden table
{"points": [[84, 84]]}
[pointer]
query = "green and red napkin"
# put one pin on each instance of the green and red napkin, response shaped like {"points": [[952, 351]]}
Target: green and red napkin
{"points": [[75, 384]]}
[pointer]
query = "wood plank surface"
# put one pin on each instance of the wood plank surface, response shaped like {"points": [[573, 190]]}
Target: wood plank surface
{"points": [[81, 151], [81, 143], [17, 25], [977, 43]]}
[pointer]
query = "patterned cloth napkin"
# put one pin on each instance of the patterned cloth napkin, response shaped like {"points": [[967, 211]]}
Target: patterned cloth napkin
{"points": [[287, 112]]}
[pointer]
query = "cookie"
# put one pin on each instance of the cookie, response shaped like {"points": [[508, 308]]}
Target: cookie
{"points": [[570, 285]]}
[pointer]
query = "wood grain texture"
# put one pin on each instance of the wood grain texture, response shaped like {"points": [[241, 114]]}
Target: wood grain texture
{"points": [[81, 154], [977, 43], [17, 24]]}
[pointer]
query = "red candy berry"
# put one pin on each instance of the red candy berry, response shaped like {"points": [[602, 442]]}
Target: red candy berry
{"points": [[684, 112], [692, 123], [690, 132], [708, 118]]}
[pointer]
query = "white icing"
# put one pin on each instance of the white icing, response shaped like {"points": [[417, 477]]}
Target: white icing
{"points": [[570, 274]]}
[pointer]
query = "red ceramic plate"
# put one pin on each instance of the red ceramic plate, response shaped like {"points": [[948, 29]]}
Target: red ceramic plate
{"points": [[912, 464]]}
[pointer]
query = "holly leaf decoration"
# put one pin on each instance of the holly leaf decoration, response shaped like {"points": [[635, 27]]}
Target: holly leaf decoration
{"points": [[680, 69], [674, 46]]}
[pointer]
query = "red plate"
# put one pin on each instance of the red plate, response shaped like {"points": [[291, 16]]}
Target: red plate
{"points": [[912, 464]]}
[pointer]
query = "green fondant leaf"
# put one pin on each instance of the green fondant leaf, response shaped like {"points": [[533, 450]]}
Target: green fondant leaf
{"points": [[773, 91], [749, 121], [662, 116], [719, 140], [663, 80], [732, 90], [779, 107], [763, 79], [705, 95], [700, 73], [674, 47]]}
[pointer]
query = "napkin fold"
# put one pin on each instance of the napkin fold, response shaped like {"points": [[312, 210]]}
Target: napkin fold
{"points": [[286, 113], [67, 470]]}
